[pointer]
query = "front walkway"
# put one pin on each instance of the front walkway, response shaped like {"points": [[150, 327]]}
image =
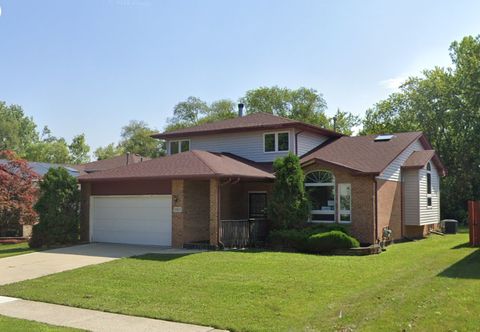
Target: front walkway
{"points": [[38, 264], [90, 320]]}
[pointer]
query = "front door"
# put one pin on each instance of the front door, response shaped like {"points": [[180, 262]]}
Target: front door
{"points": [[257, 205]]}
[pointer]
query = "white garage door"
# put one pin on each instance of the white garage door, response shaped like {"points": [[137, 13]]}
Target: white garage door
{"points": [[132, 219]]}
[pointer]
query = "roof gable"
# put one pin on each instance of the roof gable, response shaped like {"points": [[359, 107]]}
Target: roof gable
{"points": [[362, 153], [419, 159], [255, 121]]}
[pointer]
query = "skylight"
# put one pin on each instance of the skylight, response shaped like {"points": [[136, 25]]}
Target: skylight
{"points": [[381, 138]]}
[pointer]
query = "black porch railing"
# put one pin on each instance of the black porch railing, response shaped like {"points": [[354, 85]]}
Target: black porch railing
{"points": [[243, 233]]}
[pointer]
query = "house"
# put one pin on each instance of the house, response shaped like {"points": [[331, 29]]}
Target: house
{"points": [[41, 168], [219, 174], [104, 164]]}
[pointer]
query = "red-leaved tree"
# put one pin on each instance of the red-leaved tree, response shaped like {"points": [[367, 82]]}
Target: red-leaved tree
{"points": [[18, 193]]}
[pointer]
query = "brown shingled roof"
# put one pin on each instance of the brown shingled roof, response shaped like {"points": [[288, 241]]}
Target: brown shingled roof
{"points": [[362, 153], [255, 121], [101, 165], [419, 159], [191, 164]]}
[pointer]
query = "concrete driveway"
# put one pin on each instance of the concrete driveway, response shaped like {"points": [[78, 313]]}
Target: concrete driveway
{"points": [[38, 264]]}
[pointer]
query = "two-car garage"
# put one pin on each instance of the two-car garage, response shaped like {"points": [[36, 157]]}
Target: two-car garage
{"points": [[132, 219]]}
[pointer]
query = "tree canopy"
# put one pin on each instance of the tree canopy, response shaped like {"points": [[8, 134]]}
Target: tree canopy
{"points": [[135, 138], [18, 133], [194, 111], [444, 103]]}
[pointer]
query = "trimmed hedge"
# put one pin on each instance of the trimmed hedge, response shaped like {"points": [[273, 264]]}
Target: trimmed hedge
{"points": [[299, 239], [329, 241]]}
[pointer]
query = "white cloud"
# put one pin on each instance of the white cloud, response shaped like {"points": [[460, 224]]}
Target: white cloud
{"points": [[394, 82]]}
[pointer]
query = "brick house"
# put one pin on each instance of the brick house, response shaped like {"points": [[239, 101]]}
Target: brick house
{"points": [[218, 174]]}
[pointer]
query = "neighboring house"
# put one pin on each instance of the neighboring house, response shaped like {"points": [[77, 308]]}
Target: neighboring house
{"points": [[220, 172], [42, 168], [104, 164]]}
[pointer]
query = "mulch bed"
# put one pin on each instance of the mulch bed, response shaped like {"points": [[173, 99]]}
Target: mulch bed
{"points": [[12, 240]]}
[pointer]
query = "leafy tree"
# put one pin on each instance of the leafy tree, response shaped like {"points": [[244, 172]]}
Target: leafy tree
{"points": [[444, 103], [79, 150], [343, 122], [194, 111], [49, 151], [17, 193], [219, 110], [109, 151], [136, 138], [17, 131], [288, 188], [303, 104], [58, 209]]}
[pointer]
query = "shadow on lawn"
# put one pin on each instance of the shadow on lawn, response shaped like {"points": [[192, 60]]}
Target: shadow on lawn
{"points": [[13, 250], [161, 257], [466, 268]]}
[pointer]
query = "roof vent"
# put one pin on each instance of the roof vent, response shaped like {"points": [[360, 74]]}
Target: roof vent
{"points": [[382, 138]]}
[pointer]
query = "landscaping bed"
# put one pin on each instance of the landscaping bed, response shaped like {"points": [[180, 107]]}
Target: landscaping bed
{"points": [[431, 284]]}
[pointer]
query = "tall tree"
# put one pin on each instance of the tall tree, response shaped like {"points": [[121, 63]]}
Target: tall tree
{"points": [[17, 131], [303, 104], [109, 151], [136, 138], [79, 150], [194, 111], [445, 104]]}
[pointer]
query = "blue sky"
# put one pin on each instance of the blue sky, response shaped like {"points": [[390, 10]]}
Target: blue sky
{"points": [[91, 66]]}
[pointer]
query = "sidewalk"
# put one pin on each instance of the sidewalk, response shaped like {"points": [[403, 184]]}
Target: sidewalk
{"points": [[89, 319]]}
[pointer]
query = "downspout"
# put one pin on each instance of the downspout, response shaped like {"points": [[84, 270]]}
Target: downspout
{"points": [[218, 215], [296, 141], [376, 210]]}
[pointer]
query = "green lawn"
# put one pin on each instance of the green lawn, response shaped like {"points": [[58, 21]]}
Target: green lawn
{"points": [[8, 324], [428, 285], [14, 249]]}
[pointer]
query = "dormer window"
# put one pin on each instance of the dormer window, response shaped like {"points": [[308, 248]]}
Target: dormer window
{"points": [[276, 142], [179, 146]]}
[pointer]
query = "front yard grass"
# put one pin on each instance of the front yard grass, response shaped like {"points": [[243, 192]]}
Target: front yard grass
{"points": [[9, 324], [7, 250], [428, 285]]}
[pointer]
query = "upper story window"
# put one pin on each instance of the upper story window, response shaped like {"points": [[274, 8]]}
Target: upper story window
{"points": [[179, 146], [429, 184], [276, 142]]}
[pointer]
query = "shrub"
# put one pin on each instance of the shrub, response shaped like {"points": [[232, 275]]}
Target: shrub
{"points": [[328, 241], [289, 205], [288, 239], [297, 239], [58, 208]]}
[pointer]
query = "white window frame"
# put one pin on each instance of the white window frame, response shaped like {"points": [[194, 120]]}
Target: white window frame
{"points": [[429, 196], [325, 212], [179, 145], [276, 133], [340, 211]]}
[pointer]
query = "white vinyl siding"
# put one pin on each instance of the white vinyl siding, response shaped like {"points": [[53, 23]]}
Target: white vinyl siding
{"points": [[429, 214], [392, 172], [307, 141], [247, 145], [411, 213], [415, 208]]}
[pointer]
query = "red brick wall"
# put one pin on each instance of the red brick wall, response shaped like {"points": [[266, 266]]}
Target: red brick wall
{"points": [[389, 204], [362, 226]]}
